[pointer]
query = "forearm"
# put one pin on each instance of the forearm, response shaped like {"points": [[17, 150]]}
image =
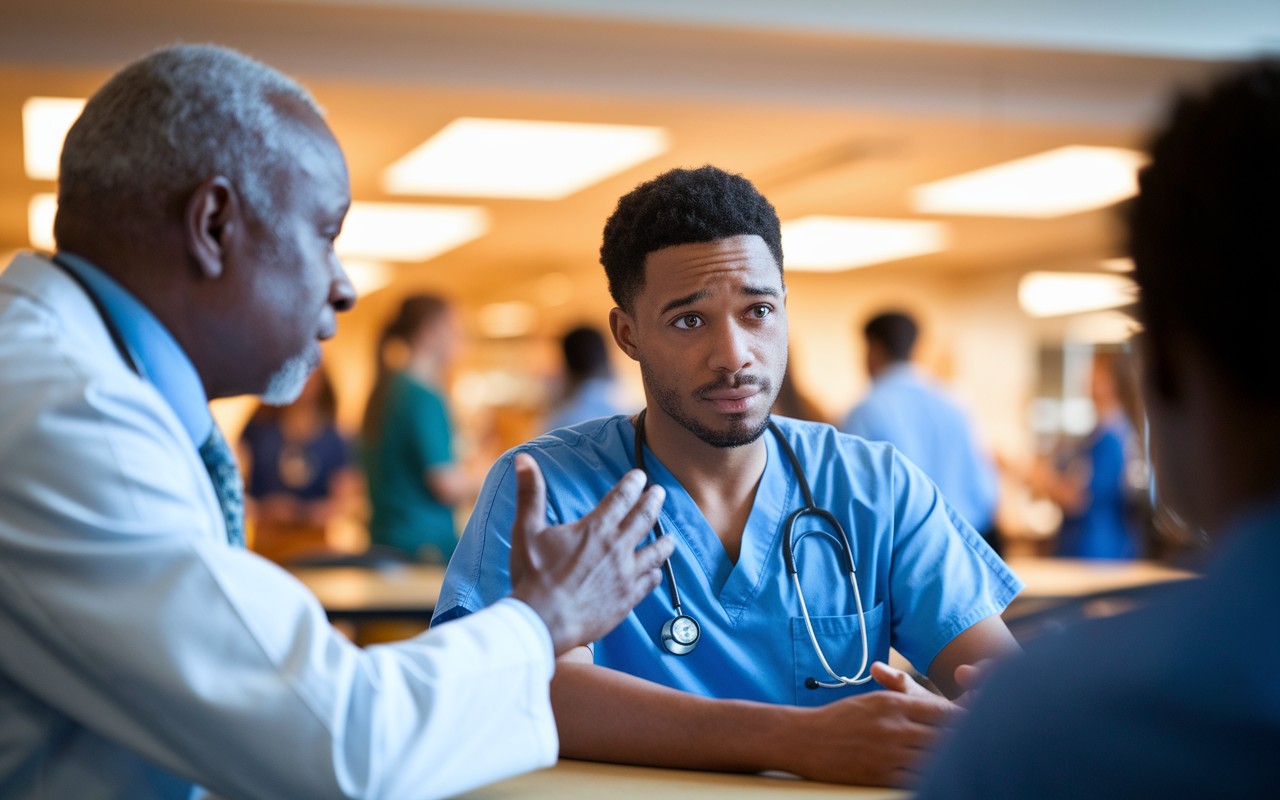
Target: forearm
{"points": [[606, 715]]}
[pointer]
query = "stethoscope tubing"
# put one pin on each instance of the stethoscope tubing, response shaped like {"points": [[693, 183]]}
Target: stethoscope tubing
{"points": [[788, 553]]}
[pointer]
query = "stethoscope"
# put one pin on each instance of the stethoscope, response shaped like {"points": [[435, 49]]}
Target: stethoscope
{"points": [[680, 634]]}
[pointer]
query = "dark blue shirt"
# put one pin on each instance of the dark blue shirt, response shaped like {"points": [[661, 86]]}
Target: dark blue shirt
{"points": [[303, 470], [1102, 529], [1176, 700]]}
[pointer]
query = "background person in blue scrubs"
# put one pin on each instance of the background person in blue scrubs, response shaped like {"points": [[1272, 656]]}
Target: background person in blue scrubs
{"points": [[694, 261], [1178, 700], [1092, 487], [909, 412]]}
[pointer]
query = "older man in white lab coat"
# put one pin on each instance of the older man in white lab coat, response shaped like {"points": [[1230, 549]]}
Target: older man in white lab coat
{"points": [[143, 653]]}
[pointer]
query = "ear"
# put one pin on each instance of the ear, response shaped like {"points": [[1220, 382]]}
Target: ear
{"points": [[624, 332], [212, 220]]}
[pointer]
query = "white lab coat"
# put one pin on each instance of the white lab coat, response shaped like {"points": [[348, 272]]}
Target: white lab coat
{"points": [[140, 654]]}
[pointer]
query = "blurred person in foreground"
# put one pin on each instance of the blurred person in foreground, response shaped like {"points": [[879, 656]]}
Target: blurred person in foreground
{"points": [[407, 436], [909, 412], [589, 381], [1093, 487], [1177, 700], [145, 652], [299, 471], [694, 261]]}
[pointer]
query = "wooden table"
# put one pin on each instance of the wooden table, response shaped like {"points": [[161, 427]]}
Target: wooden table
{"points": [[585, 780], [360, 593], [411, 591], [1080, 577]]}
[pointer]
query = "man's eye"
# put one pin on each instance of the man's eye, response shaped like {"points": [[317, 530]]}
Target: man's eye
{"points": [[760, 312], [689, 321]]}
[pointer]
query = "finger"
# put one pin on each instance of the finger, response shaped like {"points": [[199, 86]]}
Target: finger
{"points": [[654, 555], [897, 680], [968, 675], [931, 710], [619, 501], [642, 517], [531, 500]]}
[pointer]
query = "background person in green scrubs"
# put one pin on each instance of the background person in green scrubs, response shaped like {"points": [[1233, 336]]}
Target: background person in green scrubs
{"points": [[413, 480]]}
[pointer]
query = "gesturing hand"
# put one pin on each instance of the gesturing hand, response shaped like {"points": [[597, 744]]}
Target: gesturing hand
{"points": [[584, 577]]}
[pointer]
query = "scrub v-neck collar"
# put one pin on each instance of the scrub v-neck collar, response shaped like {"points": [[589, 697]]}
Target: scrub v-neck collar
{"points": [[733, 584]]}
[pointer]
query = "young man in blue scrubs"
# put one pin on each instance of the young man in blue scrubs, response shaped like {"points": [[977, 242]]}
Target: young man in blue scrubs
{"points": [[694, 261]]}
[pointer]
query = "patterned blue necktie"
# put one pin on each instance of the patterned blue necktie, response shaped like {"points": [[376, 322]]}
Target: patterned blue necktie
{"points": [[227, 484]]}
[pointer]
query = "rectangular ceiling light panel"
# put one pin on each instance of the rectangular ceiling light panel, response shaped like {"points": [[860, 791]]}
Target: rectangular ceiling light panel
{"points": [[40, 213], [1052, 294], [45, 122], [831, 244], [1051, 184], [523, 159], [410, 232]]}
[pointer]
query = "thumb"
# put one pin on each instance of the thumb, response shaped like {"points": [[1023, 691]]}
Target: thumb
{"points": [[896, 680], [531, 500]]}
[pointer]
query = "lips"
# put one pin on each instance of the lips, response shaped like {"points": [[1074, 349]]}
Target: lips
{"points": [[732, 400]]}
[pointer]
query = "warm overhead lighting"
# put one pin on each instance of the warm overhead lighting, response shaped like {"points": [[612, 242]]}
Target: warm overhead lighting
{"points": [[45, 122], [1117, 264], [1064, 181], [408, 231], [368, 276], [524, 159], [830, 244], [1102, 327], [1050, 294], [555, 289], [40, 213], [505, 320]]}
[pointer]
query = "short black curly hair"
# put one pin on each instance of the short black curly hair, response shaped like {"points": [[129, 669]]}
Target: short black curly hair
{"points": [[1202, 230], [681, 206]]}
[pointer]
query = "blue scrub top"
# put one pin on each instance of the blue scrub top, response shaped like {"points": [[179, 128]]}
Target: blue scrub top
{"points": [[924, 574], [1103, 528], [910, 413]]}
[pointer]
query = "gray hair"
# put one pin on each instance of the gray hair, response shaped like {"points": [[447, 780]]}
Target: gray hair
{"points": [[167, 123]]}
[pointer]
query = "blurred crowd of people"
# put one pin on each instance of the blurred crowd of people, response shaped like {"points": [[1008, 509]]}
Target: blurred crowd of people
{"points": [[302, 472]]}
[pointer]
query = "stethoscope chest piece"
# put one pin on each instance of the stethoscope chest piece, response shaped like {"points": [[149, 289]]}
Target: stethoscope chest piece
{"points": [[680, 635]]}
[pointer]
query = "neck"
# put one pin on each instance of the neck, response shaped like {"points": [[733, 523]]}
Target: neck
{"points": [[722, 481], [426, 368], [157, 277]]}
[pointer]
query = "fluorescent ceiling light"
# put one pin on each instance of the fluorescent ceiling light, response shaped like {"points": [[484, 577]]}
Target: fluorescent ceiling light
{"points": [[1050, 294], [408, 231], [472, 157], [45, 122], [40, 213], [368, 276], [505, 320], [1051, 184], [830, 244]]}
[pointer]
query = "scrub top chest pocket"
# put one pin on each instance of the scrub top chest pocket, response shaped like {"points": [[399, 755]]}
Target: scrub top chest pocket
{"points": [[841, 641]]}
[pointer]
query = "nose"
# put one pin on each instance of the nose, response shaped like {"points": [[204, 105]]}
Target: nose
{"points": [[342, 294], [730, 349]]}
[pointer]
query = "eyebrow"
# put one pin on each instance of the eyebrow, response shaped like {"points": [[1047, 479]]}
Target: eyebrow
{"points": [[753, 291]]}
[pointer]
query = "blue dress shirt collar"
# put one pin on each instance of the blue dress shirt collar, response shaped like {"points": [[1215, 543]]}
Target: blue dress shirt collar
{"points": [[158, 356]]}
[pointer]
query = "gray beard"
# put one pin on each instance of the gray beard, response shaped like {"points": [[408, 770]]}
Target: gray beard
{"points": [[288, 381]]}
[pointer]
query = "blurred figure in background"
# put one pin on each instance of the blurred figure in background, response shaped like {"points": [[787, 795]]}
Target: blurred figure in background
{"points": [[1091, 483], [589, 381], [915, 416], [299, 471], [414, 482]]}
